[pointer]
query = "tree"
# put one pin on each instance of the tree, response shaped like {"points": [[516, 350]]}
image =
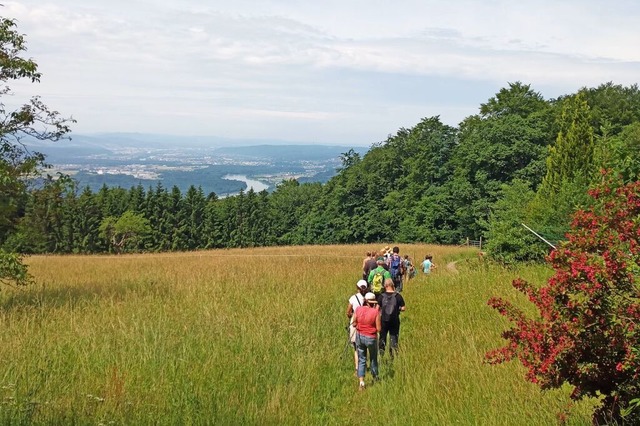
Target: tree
{"points": [[571, 158], [571, 167], [158, 211], [621, 153], [124, 230], [290, 204], [88, 220], [178, 219], [519, 99], [32, 120], [507, 240], [507, 141], [430, 145], [194, 206], [613, 106], [349, 158], [49, 218], [586, 334], [213, 225], [12, 270]]}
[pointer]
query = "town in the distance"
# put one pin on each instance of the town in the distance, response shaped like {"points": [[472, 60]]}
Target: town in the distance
{"points": [[217, 165]]}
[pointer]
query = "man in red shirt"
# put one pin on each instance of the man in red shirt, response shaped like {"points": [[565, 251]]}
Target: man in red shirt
{"points": [[367, 324]]}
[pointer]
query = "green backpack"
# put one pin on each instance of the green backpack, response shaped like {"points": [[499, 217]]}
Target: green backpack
{"points": [[377, 283]]}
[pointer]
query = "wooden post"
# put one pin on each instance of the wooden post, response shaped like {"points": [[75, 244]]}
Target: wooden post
{"points": [[480, 243], [467, 241]]}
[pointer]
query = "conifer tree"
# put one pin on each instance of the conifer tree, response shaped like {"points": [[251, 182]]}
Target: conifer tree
{"points": [[571, 157], [194, 206], [571, 167]]}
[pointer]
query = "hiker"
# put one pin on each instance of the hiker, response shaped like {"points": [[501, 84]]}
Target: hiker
{"points": [[409, 269], [364, 262], [385, 256], [391, 304], [369, 264], [396, 268], [385, 252], [355, 302], [367, 323], [377, 276], [428, 265]]}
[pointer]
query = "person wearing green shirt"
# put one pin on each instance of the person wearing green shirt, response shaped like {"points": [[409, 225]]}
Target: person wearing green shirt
{"points": [[377, 277]]}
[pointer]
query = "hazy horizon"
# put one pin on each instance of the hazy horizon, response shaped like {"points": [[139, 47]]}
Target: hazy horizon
{"points": [[331, 72]]}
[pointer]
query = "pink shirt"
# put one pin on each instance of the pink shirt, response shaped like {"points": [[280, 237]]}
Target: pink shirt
{"points": [[366, 318]]}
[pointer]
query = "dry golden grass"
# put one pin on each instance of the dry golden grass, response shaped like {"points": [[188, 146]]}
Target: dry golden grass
{"points": [[254, 336]]}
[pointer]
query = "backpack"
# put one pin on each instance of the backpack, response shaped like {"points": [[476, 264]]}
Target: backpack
{"points": [[377, 283], [390, 309], [395, 266]]}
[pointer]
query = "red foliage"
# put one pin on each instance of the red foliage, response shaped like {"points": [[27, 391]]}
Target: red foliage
{"points": [[587, 333]]}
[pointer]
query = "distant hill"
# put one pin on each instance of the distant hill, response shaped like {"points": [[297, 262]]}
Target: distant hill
{"points": [[160, 141], [288, 152], [129, 159]]}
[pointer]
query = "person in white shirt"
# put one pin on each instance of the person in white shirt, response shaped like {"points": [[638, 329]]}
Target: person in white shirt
{"points": [[355, 302]]}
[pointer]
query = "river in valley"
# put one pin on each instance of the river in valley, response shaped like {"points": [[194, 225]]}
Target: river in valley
{"points": [[251, 183]]}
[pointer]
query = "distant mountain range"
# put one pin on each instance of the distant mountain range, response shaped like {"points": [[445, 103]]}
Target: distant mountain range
{"points": [[287, 152], [127, 159], [82, 146]]}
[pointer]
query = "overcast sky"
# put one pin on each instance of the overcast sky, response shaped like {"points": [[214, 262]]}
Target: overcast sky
{"points": [[329, 71]]}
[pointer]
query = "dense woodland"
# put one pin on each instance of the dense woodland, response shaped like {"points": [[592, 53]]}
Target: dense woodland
{"points": [[521, 159]]}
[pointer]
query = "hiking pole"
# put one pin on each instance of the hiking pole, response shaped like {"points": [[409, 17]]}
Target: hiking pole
{"points": [[348, 342]]}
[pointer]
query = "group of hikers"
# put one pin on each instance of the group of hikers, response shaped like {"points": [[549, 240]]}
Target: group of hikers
{"points": [[376, 306]]}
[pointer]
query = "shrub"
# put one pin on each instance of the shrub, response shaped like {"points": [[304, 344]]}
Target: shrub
{"points": [[507, 240], [587, 334]]}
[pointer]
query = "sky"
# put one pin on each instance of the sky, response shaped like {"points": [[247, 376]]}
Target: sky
{"points": [[331, 71]]}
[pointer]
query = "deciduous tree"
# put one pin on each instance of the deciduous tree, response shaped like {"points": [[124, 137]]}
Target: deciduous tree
{"points": [[33, 119], [124, 230]]}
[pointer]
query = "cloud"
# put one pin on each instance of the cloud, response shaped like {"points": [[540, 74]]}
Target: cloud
{"points": [[115, 64]]}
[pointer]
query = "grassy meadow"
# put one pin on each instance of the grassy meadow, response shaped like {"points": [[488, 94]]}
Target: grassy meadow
{"points": [[257, 336]]}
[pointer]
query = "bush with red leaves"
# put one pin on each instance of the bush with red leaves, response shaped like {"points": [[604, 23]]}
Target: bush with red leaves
{"points": [[588, 330]]}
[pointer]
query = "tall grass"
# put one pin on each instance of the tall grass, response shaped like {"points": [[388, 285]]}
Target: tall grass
{"points": [[255, 336]]}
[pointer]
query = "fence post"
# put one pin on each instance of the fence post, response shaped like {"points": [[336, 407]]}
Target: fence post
{"points": [[480, 243], [467, 241]]}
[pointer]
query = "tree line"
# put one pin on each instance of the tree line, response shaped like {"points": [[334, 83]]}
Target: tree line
{"points": [[521, 159]]}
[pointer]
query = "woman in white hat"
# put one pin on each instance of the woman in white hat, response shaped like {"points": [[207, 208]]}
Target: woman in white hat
{"points": [[356, 301], [367, 324]]}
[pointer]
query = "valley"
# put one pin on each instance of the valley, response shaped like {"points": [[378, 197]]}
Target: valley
{"points": [[131, 160]]}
